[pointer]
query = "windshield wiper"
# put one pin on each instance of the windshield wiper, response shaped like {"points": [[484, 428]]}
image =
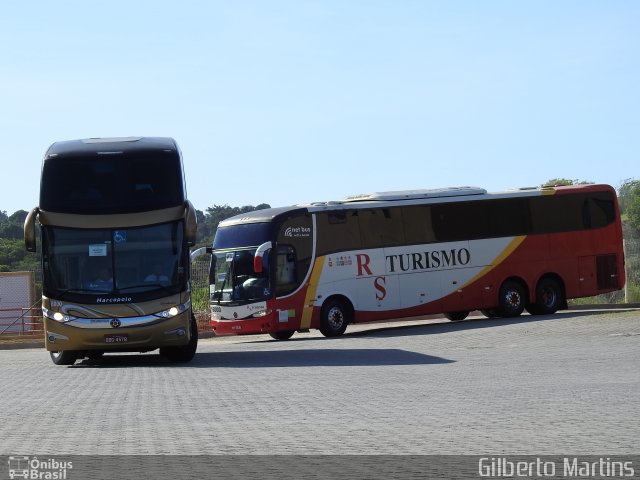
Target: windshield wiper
{"points": [[224, 282]]}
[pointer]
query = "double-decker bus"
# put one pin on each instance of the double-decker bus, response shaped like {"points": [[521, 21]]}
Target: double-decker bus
{"points": [[411, 253], [115, 228]]}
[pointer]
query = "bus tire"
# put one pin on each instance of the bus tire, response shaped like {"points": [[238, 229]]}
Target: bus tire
{"points": [[490, 313], [334, 318], [549, 297], [456, 316], [185, 353], [282, 334], [64, 357], [511, 300]]}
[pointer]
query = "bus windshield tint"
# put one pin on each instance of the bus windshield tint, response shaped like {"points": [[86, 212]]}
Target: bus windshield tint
{"points": [[244, 235], [113, 261], [111, 184]]}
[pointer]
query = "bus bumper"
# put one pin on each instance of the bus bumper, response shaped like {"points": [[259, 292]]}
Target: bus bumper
{"points": [[172, 332], [244, 327]]}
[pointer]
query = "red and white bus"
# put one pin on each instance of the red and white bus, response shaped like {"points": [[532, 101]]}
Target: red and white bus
{"points": [[410, 253]]}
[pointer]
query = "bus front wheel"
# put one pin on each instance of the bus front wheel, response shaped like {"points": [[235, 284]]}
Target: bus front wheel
{"points": [[187, 352], [512, 299], [456, 316], [64, 357], [282, 334], [334, 318], [490, 312]]}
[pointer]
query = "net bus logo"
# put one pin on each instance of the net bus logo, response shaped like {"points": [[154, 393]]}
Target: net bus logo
{"points": [[36, 469], [296, 232]]}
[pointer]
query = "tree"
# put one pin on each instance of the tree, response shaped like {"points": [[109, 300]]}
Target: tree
{"points": [[632, 205], [561, 182], [12, 226], [626, 193]]}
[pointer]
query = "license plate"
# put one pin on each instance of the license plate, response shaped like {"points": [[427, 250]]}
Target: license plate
{"points": [[116, 339]]}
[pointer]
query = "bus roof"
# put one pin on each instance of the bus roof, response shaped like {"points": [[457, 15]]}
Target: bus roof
{"points": [[106, 146], [261, 216], [401, 198], [411, 194]]}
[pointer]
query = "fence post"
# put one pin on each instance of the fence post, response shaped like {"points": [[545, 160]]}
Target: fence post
{"points": [[626, 272]]}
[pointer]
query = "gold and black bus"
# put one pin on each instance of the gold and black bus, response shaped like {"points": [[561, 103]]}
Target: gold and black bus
{"points": [[115, 229]]}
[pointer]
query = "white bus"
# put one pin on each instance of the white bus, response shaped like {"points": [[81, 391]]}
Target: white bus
{"points": [[405, 254]]}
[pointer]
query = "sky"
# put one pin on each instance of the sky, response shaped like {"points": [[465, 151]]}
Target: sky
{"points": [[295, 101]]}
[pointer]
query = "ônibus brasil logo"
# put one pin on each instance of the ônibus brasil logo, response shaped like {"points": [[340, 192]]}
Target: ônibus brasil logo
{"points": [[37, 469]]}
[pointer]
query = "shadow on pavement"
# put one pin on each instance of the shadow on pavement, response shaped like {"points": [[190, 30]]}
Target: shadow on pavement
{"points": [[328, 357], [359, 357], [470, 324]]}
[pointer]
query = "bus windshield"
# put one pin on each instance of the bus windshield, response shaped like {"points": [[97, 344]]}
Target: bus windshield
{"points": [[113, 261], [233, 279], [112, 183]]}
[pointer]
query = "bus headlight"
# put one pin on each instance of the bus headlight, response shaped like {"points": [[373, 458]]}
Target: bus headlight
{"points": [[261, 313], [173, 311], [57, 316]]}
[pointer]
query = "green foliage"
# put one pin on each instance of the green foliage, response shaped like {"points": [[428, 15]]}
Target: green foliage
{"points": [[629, 198], [633, 293], [200, 299], [561, 182], [12, 226], [14, 257], [626, 192]]}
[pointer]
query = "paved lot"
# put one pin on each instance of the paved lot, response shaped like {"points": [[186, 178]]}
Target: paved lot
{"points": [[567, 383]]}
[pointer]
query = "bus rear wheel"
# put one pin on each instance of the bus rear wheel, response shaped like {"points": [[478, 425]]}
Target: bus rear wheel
{"points": [[282, 335], [64, 357], [549, 297], [511, 300], [334, 318], [185, 353], [456, 316]]}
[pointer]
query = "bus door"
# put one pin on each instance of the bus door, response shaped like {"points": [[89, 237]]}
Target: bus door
{"points": [[587, 275]]}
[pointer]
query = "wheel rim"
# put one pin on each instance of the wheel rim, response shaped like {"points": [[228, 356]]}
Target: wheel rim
{"points": [[335, 318], [549, 297], [513, 299]]}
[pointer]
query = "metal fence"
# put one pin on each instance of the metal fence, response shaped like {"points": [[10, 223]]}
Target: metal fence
{"points": [[20, 321], [631, 293]]}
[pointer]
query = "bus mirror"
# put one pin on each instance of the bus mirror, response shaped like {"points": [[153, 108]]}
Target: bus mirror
{"points": [[191, 227], [200, 251], [258, 257], [30, 230]]}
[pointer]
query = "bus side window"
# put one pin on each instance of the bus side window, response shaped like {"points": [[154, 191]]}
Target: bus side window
{"points": [[603, 210], [285, 269]]}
